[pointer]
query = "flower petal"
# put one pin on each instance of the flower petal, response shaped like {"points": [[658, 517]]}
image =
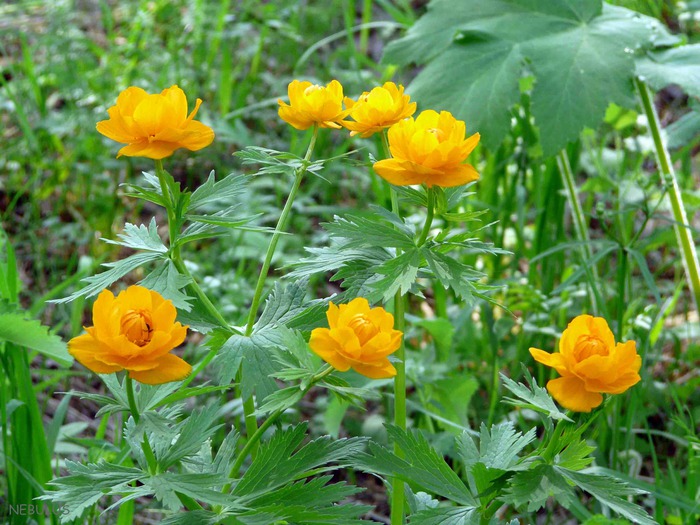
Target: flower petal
{"points": [[382, 370], [570, 392], [169, 368], [86, 350]]}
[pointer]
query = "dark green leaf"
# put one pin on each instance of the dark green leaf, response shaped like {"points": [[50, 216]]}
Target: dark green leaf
{"points": [[680, 65], [475, 51]]}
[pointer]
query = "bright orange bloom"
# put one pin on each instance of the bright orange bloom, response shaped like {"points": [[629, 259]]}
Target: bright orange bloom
{"points": [[154, 126], [379, 109], [429, 150], [590, 364], [359, 337], [311, 104], [136, 332]]}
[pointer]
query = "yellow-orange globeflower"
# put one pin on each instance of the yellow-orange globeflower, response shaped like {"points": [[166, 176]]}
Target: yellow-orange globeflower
{"points": [[430, 150], [359, 337], [154, 126], [379, 109], [590, 364], [311, 104], [134, 331]]}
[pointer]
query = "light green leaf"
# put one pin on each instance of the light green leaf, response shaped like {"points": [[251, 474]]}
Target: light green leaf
{"points": [[679, 65], [225, 190], [530, 489], [499, 446], [283, 303], [421, 466], [140, 237], [399, 275], [279, 462], [476, 53], [609, 491], [117, 270], [167, 281], [29, 333], [447, 516], [535, 397]]}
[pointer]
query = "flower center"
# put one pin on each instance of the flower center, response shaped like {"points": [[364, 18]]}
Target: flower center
{"points": [[312, 89], [364, 328], [588, 346], [439, 134], [137, 326]]}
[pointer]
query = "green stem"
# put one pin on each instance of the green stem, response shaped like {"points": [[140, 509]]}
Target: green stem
{"points": [[397, 492], [132, 401], [579, 219], [668, 177], [251, 423], [429, 218], [254, 440], [176, 258], [552, 446]]}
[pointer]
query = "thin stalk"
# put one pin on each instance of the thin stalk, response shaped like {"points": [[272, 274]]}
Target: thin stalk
{"points": [[429, 218], [397, 492], [579, 219], [251, 423], [129, 383], [175, 252], [668, 177]]}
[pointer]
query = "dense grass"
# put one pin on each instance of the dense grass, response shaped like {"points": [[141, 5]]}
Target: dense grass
{"points": [[63, 63]]}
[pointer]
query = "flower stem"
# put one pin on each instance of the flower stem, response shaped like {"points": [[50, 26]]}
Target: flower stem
{"points": [[668, 177], [176, 258], [397, 493], [429, 218], [249, 404], [129, 384]]}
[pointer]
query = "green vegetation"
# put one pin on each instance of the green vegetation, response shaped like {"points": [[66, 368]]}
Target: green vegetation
{"points": [[587, 203]]}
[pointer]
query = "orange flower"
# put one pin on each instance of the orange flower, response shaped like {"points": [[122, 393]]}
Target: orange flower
{"points": [[154, 126], [430, 149], [311, 104], [380, 108], [590, 364], [136, 332], [359, 337]]}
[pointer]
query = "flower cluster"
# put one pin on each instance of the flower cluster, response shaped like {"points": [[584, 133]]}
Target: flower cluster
{"points": [[590, 364], [430, 150]]}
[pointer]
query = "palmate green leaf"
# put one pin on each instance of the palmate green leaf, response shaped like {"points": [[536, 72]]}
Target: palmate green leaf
{"points": [[680, 65], [399, 275], [421, 466], [202, 487], [530, 489], [284, 303], [609, 491], [279, 462], [140, 237], [449, 516], [535, 397], [168, 281], [371, 230], [499, 446], [196, 428], [255, 356], [453, 274], [225, 190], [684, 130], [85, 485], [30, 333], [475, 54], [117, 270]]}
